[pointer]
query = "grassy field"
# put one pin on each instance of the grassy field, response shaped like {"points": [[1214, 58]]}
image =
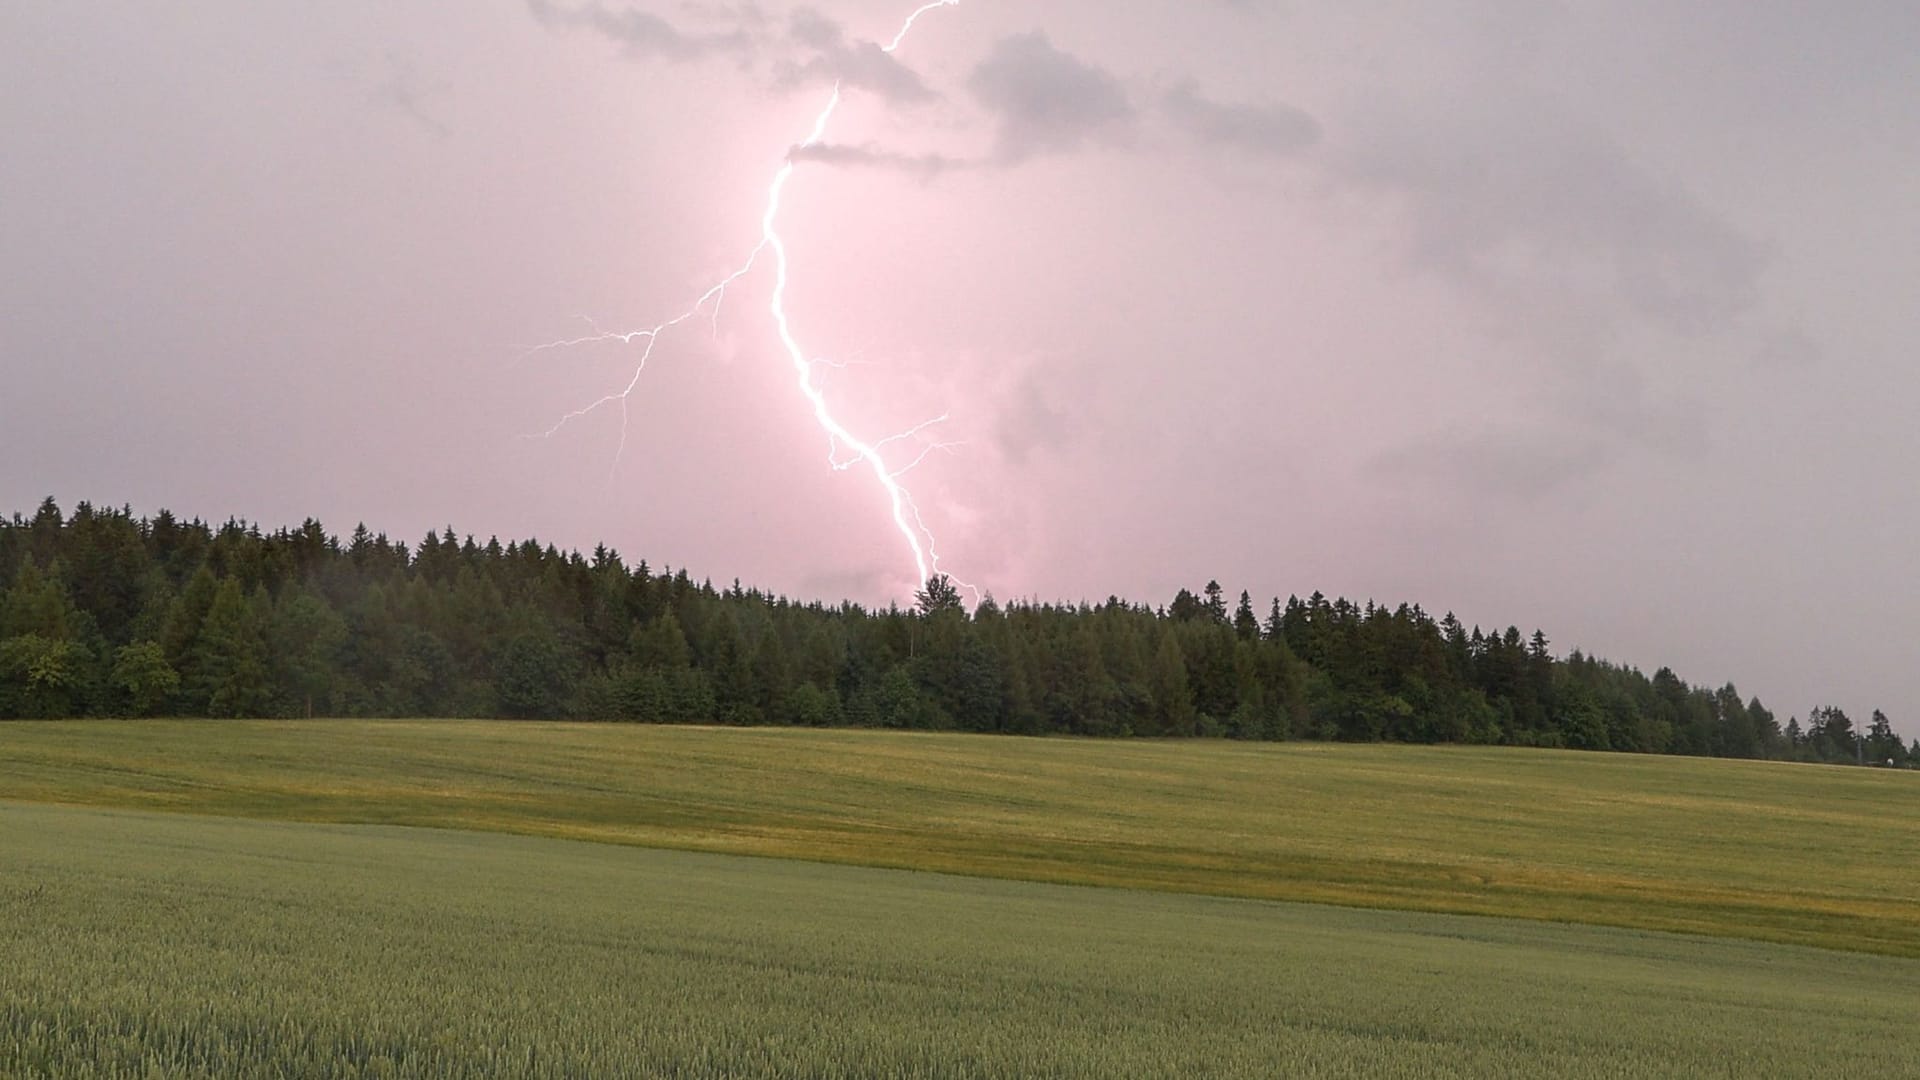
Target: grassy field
{"points": [[151, 945], [1784, 853]]}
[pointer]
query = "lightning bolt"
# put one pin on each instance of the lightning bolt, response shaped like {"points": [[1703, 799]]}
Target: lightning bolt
{"points": [[845, 450]]}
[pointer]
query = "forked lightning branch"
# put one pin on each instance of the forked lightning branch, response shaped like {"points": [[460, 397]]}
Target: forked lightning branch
{"points": [[847, 451]]}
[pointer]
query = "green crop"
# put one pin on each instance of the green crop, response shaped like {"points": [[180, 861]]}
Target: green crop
{"points": [[145, 945]]}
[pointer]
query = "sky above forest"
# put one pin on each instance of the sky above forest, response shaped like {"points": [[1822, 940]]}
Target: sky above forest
{"points": [[1593, 317]]}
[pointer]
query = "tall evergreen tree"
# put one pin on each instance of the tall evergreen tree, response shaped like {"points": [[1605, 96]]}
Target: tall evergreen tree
{"points": [[38, 604], [1883, 746], [231, 673], [937, 596], [1172, 697], [307, 636], [1244, 622]]}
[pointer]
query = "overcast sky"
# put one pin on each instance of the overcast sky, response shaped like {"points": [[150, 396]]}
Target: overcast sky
{"points": [[1597, 317]]}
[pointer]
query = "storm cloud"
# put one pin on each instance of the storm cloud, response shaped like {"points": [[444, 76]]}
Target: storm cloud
{"points": [[1276, 129], [643, 33], [1045, 100], [861, 65]]}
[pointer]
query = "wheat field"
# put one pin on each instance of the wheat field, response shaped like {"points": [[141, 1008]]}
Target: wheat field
{"points": [[149, 945]]}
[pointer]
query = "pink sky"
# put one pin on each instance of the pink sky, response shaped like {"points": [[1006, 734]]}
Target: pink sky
{"points": [[1595, 318]]}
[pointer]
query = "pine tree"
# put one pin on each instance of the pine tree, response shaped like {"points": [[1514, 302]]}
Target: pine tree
{"points": [[661, 644], [1830, 735], [231, 675], [38, 604], [185, 617], [1245, 623], [43, 535], [1186, 607], [1216, 603], [306, 635], [1172, 697], [937, 596], [1883, 746]]}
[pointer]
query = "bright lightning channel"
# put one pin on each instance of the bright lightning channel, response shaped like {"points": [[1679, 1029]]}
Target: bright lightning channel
{"points": [[846, 451]]}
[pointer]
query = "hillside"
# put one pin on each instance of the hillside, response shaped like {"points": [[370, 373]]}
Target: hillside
{"points": [[1778, 852]]}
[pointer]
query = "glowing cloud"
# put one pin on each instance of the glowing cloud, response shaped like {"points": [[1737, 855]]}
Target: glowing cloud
{"points": [[846, 450]]}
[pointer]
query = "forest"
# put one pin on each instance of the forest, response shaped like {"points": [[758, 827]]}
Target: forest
{"points": [[107, 614]]}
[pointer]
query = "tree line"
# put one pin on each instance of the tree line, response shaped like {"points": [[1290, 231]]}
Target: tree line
{"points": [[107, 614]]}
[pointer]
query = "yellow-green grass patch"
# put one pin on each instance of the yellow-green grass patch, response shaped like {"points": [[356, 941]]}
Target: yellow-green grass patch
{"points": [[1788, 853]]}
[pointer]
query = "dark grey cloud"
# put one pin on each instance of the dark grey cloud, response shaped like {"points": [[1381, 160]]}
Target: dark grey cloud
{"points": [[1579, 256], [1506, 462], [1041, 100], [1277, 129], [819, 48], [1045, 100], [863, 65], [1509, 195], [872, 156], [645, 34]]}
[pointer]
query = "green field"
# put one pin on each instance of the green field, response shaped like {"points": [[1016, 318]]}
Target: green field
{"points": [[151, 945], [1785, 853]]}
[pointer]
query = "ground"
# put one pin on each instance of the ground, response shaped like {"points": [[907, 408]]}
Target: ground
{"points": [[436, 899], [144, 944], [1789, 853]]}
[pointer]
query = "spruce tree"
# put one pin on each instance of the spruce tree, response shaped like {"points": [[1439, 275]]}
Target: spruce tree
{"points": [[307, 635], [1244, 621], [231, 673], [1172, 697], [38, 604]]}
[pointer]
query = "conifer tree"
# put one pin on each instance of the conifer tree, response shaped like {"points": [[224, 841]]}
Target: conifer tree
{"points": [[307, 635], [39, 603], [231, 674], [1172, 697], [1244, 622]]}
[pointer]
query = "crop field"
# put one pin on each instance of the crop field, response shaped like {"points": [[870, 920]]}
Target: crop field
{"points": [[152, 945], [1785, 853]]}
